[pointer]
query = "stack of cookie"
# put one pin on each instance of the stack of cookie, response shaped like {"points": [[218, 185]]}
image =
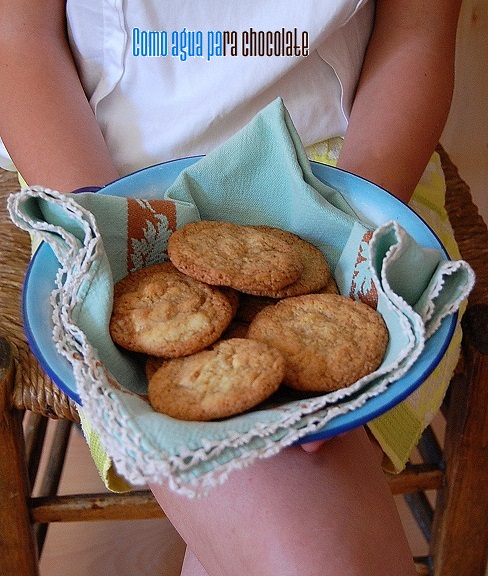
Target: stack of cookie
{"points": [[237, 312]]}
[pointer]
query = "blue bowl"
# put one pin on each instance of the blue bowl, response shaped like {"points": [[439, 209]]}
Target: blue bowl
{"points": [[372, 203]]}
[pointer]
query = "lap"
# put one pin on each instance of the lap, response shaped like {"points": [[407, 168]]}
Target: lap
{"points": [[329, 512]]}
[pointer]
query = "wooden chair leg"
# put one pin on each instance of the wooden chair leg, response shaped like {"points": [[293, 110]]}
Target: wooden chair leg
{"points": [[460, 534], [418, 503], [421, 567], [52, 475], [35, 428], [18, 554]]}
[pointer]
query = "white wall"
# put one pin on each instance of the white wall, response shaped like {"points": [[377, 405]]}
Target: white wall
{"points": [[465, 137]]}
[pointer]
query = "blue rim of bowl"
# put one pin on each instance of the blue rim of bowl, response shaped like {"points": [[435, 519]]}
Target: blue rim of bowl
{"points": [[340, 423]]}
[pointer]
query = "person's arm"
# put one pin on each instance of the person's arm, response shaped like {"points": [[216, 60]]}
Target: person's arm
{"points": [[404, 93], [403, 97], [46, 122]]}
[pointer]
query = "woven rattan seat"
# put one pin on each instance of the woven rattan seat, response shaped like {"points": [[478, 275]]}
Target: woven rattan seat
{"points": [[455, 466]]}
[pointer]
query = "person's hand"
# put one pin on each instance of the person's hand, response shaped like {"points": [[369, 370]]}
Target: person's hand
{"points": [[312, 447]]}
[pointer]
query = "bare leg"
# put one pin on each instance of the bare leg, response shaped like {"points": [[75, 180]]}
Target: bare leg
{"points": [[191, 565], [329, 512]]}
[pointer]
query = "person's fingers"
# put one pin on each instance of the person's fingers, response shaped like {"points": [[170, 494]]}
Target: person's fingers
{"points": [[312, 447]]}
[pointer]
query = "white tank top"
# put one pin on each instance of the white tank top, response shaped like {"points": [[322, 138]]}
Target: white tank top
{"points": [[168, 79]]}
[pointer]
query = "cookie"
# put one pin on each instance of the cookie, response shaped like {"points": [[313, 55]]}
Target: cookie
{"points": [[242, 257], [250, 305], [315, 273], [328, 341], [232, 296], [232, 377], [162, 312], [236, 329], [330, 287], [151, 366]]}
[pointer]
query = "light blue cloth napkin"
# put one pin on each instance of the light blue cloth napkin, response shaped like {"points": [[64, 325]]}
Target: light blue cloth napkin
{"points": [[262, 176], [259, 176]]}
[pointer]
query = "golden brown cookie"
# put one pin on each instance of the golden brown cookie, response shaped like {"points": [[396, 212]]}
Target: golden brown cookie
{"points": [[250, 305], [328, 341], [232, 377], [330, 287], [233, 296], [315, 273], [151, 366], [162, 312], [236, 329], [226, 254]]}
